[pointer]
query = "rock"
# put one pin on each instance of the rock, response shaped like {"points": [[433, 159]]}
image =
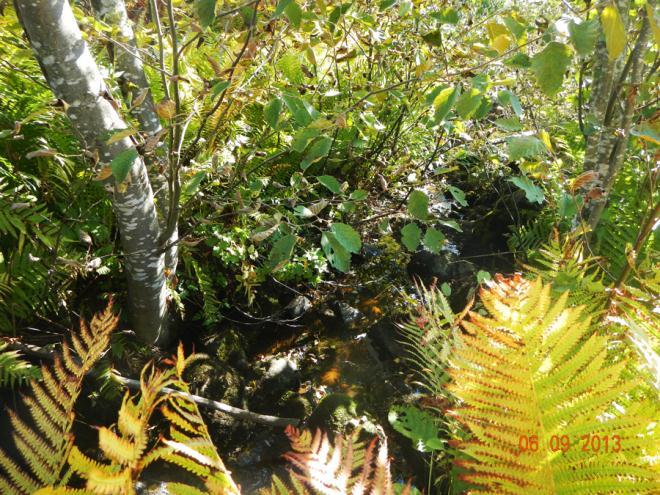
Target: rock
{"points": [[347, 314], [386, 338], [334, 413], [427, 265], [229, 347], [297, 307]]}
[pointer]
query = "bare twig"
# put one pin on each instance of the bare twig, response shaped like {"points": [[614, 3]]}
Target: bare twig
{"points": [[235, 412]]}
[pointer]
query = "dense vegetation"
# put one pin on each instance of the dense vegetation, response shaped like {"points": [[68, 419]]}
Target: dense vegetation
{"points": [[422, 236]]}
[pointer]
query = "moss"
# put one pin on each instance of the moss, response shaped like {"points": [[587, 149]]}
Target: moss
{"points": [[231, 346], [293, 405], [334, 413]]}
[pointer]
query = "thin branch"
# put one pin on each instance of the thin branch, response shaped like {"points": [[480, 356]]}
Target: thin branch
{"points": [[235, 412]]}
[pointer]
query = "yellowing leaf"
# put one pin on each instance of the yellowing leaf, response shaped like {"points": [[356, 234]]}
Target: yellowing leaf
{"points": [[545, 137], [166, 109], [501, 43], [118, 136], [614, 30], [495, 29]]}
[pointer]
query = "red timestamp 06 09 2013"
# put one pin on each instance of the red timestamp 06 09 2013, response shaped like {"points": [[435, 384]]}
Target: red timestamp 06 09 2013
{"points": [[597, 444]]}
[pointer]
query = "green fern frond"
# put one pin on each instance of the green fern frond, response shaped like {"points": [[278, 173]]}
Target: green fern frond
{"points": [[44, 447], [428, 335], [534, 385], [564, 263], [15, 371]]}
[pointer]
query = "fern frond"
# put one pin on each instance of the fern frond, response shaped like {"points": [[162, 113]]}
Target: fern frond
{"points": [[44, 447], [428, 336], [342, 468], [533, 384], [15, 371]]}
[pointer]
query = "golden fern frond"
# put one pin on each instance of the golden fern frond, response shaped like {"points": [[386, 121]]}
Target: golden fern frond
{"points": [[340, 469], [44, 445], [127, 447], [190, 445], [543, 402]]}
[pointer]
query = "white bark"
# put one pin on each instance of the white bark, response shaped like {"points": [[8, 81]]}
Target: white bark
{"points": [[74, 77], [133, 81]]}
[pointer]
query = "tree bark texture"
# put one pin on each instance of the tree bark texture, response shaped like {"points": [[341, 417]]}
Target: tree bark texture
{"points": [[134, 84], [74, 77], [611, 106]]}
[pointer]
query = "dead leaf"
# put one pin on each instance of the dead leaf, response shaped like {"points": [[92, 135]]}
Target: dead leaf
{"points": [[583, 179], [166, 109], [44, 152], [104, 173], [139, 99]]}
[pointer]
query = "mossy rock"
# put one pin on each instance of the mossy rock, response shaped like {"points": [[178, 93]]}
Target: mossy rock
{"points": [[334, 413], [293, 405], [230, 346]]}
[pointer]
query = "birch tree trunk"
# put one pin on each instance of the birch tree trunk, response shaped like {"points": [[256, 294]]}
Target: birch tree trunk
{"points": [[135, 88], [74, 77]]}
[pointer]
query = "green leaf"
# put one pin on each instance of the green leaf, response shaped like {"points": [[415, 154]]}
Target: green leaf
{"points": [[281, 252], [516, 28], [434, 240], [525, 147], [205, 11], [298, 109], [192, 185], [318, 150], [449, 15], [358, 195], [452, 224], [281, 7], [511, 124], [433, 38], [521, 60], [568, 207], [483, 276], [303, 137], [386, 4], [291, 66], [418, 205], [272, 112], [294, 14], [483, 109], [508, 98], [219, 88], [533, 193], [347, 237], [444, 102], [335, 15], [446, 289], [417, 425], [410, 236], [549, 66], [336, 254], [458, 195], [614, 31], [330, 182], [584, 36], [468, 103], [122, 163]]}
